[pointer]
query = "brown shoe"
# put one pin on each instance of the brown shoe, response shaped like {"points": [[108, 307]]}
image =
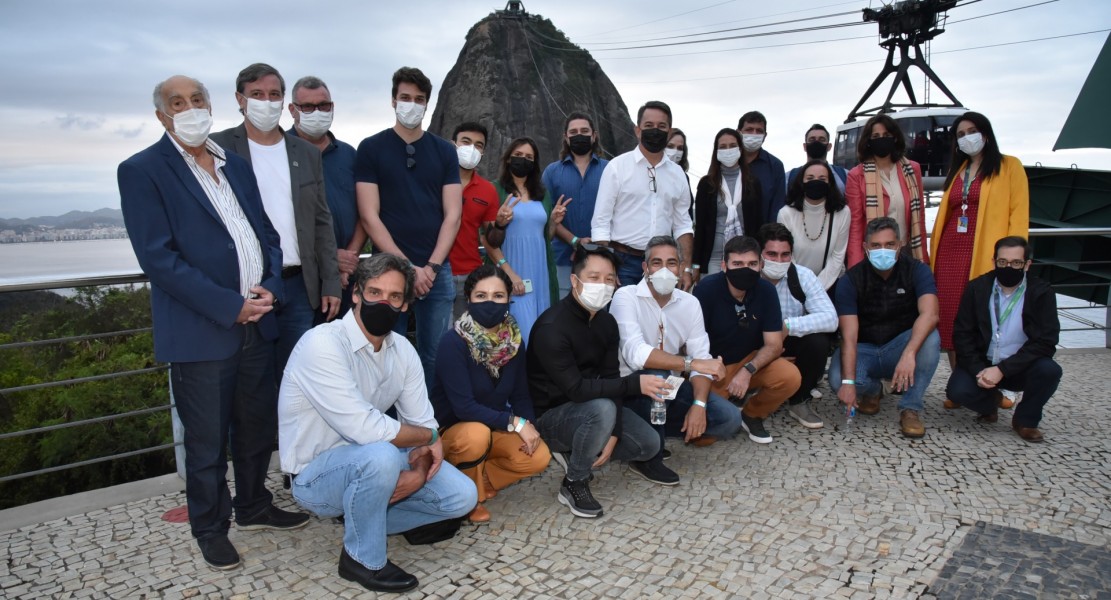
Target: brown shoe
{"points": [[1003, 401], [990, 417], [490, 490], [911, 423], [950, 405], [869, 404], [703, 440], [479, 514], [1030, 434]]}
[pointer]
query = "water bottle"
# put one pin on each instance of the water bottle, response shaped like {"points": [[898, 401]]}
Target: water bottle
{"points": [[659, 412], [850, 414]]}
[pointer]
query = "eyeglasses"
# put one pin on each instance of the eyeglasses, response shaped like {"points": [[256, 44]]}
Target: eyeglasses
{"points": [[410, 150], [652, 179], [1014, 264], [311, 108]]}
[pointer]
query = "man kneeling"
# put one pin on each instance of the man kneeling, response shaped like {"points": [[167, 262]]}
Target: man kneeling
{"points": [[346, 456]]}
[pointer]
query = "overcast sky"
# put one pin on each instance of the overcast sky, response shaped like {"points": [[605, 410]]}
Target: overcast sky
{"points": [[78, 75]]}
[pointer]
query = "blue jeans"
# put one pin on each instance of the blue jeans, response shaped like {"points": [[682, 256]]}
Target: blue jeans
{"points": [[723, 420], [295, 317], [1037, 384], [220, 400], [631, 270], [584, 428], [357, 482], [433, 313], [874, 363]]}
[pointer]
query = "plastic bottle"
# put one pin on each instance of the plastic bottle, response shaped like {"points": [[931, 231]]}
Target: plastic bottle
{"points": [[659, 412], [850, 415]]}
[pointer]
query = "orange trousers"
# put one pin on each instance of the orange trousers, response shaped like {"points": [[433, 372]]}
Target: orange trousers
{"points": [[777, 382], [505, 462]]}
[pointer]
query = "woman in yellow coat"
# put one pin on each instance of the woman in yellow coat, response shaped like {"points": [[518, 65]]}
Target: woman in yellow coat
{"points": [[986, 198]]}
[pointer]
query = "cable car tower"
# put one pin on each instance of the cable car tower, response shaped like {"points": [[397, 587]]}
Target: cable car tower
{"points": [[905, 26]]}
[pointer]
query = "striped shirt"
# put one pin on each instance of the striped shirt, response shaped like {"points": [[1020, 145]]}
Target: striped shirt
{"points": [[818, 316], [223, 199]]}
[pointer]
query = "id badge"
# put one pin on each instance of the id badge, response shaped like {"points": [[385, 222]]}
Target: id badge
{"points": [[962, 224]]}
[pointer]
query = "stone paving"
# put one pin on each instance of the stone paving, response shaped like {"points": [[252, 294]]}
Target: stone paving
{"points": [[816, 514]]}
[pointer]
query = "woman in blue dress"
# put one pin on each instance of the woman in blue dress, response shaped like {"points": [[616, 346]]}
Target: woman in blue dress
{"points": [[530, 218]]}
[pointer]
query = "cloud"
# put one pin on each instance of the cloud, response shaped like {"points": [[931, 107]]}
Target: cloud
{"points": [[128, 134], [73, 121]]}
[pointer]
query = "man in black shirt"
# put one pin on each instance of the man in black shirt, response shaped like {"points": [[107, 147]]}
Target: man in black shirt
{"points": [[576, 387]]}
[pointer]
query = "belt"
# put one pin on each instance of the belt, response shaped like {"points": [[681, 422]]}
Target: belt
{"points": [[291, 271], [622, 248]]}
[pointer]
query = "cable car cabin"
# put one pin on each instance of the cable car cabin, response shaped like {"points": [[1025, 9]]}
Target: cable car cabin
{"points": [[929, 136]]}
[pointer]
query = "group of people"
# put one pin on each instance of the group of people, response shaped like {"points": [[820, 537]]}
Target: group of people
{"points": [[582, 312]]}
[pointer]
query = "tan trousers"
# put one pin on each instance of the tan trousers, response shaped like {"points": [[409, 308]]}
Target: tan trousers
{"points": [[776, 382], [505, 463]]}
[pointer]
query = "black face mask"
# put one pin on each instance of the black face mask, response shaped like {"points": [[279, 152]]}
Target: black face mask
{"points": [[1009, 276], [580, 145], [489, 314], [520, 166], [743, 278], [378, 317], [882, 146], [654, 140], [816, 149], [815, 189]]}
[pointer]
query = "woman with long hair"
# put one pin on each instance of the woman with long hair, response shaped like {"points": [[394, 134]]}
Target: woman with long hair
{"points": [[526, 254], [726, 204], [480, 392], [986, 198], [815, 213], [676, 149], [885, 184]]}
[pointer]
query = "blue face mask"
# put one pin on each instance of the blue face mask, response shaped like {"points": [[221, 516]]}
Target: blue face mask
{"points": [[882, 259], [488, 314]]}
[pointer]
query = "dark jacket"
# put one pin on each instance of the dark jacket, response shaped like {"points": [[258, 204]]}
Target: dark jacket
{"points": [[972, 328], [706, 216], [465, 391]]}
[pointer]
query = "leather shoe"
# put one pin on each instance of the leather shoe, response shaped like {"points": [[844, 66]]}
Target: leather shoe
{"points": [[1030, 434], [479, 515], [703, 440], [950, 405], [911, 423], [274, 518], [869, 404], [1003, 401], [219, 552], [990, 417], [389, 578]]}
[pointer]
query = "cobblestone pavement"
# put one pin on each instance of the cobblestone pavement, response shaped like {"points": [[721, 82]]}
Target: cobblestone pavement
{"points": [[816, 514]]}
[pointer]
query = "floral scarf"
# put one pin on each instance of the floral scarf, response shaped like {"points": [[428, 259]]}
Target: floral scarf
{"points": [[492, 349]]}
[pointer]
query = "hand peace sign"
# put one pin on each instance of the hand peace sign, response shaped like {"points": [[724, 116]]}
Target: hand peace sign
{"points": [[560, 210], [505, 213]]}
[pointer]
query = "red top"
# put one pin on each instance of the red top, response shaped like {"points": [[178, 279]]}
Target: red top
{"points": [[480, 205], [954, 257]]}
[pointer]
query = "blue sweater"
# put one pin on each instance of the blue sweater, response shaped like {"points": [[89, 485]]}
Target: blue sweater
{"points": [[465, 391]]}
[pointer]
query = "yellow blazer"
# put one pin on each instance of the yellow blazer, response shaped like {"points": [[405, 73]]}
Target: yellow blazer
{"points": [[1004, 210]]}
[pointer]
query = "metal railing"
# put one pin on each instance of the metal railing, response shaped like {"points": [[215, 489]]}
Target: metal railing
{"points": [[131, 278]]}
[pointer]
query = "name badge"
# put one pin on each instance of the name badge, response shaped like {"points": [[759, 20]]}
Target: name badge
{"points": [[962, 224]]}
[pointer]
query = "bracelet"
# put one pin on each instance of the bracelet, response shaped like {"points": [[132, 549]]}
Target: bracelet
{"points": [[787, 325], [435, 436], [700, 403], [520, 425], [574, 240], [848, 382], [501, 261]]}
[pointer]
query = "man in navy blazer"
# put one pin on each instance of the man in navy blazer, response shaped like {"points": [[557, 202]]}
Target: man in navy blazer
{"points": [[195, 219]]}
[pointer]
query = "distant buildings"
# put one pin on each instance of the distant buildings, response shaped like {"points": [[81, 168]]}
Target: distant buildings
{"points": [[45, 233]]}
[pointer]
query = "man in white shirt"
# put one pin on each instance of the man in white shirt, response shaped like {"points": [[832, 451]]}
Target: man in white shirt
{"points": [[643, 194], [809, 318], [346, 455], [662, 333]]}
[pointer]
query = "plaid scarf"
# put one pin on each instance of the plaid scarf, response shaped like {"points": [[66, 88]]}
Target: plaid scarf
{"points": [[490, 348], [872, 194]]}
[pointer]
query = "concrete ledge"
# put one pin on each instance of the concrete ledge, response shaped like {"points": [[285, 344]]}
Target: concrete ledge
{"points": [[76, 504]]}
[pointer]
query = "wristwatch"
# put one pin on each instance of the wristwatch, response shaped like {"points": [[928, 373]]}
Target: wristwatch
{"points": [[435, 267], [687, 360], [751, 368]]}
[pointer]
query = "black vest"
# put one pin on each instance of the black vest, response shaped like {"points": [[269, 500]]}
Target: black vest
{"points": [[884, 308]]}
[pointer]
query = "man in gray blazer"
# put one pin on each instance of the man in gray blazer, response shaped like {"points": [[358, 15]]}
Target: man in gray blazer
{"points": [[291, 178]]}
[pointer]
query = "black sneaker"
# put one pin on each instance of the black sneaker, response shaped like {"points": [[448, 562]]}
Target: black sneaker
{"points": [[755, 429], [576, 496], [219, 552], [666, 454], [274, 518], [654, 471]]}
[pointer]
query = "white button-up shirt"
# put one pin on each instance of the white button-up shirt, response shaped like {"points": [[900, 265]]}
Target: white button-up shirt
{"points": [[817, 316], [645, 326], [336, 390], [627, 211]]}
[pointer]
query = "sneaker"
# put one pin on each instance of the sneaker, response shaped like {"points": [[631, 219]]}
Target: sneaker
{"points": [[561, 460], [816, 394], [219, 552], [274, 518], [911, 423], [755, 429], [576, 496], [803, 413], [654, 471], [666, 454]]}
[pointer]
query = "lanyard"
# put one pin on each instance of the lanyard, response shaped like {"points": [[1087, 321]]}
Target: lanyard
{"points": [[1001, 318], [967, 185]]}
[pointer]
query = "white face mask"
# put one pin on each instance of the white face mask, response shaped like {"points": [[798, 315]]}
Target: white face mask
{"points": [[971, 144], [752, 141], [316, 123], [409, 114], [674, 154], [264, 114], [191, 126], [663, 281], [729, 157], [468, 156], [775, 270], [595, 296]]}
